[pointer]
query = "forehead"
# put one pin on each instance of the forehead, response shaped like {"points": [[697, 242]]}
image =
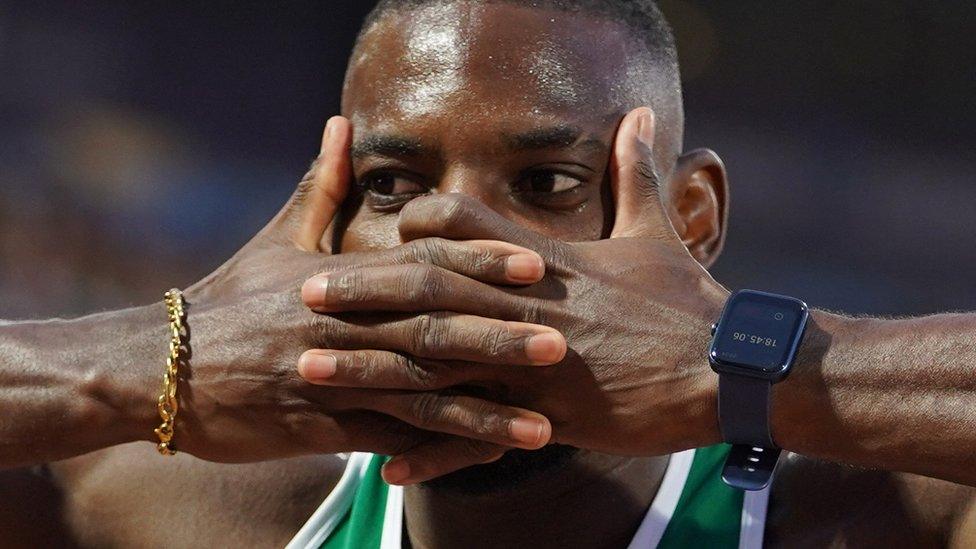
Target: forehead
{"points": [[473, 65]]}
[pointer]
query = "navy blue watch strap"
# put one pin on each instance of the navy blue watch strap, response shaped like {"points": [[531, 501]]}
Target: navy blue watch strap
{"points": [[754, 346], [743, 409], [750, 467]]}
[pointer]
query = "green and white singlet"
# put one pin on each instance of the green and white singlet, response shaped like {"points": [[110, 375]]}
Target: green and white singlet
{"points": [[693, 508]]}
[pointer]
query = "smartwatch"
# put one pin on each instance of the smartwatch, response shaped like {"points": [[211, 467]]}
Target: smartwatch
{"points": [[754, 345]]}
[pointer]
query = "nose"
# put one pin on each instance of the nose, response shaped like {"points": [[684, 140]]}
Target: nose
{"points": [[475, 182]]}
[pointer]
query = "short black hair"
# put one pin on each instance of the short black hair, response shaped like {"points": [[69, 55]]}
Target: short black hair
{"points": [[642, 17]]}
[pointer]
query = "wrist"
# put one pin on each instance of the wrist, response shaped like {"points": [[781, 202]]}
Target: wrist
{"points": [[120, 361], [706, 409], [123, 359], [79, 385], [706, 416], [802, 416]]}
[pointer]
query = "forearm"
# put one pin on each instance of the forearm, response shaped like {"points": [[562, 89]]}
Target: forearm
{"points": [[891, 394], [68, 387]]}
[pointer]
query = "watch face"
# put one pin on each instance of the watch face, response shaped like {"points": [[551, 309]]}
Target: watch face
{"points": [[759, 332]]}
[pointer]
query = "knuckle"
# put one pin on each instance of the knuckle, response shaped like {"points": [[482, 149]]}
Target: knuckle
{"points": [[432, 250], [299, 425], [408, 253], [364, 366], [349, 286], [420, 332], [454, 212], [500, 341], [420, 284], [424, 250], [419, 376], [482, 260], [428, 409], [432, 333], [460, 258], [488, 423]]}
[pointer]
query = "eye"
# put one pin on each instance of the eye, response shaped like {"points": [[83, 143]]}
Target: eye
{"points": [[548, 182], [552, 188], [389, 184]]}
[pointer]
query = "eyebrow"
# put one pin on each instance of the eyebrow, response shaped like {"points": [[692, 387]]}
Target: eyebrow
{"points": [[556, 137], [389, 145]]}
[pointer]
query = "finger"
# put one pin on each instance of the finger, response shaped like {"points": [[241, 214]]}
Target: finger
{"points": [[437, 458], [411, 288], [329, 184], [460, 217], [467, 417], [634, 179], [358, 431], [448, 336], [488, 261], [385, 370], [311, 209]]}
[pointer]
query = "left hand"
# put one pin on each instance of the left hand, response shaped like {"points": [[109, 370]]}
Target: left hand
{"points": [[635, 310], [242, 400]]}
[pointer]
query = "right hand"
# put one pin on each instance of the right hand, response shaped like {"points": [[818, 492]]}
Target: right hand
{"points": [[242, 399], [636, 307]]}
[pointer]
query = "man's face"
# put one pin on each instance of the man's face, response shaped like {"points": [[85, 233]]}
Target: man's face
{"points": [[514, 106]]}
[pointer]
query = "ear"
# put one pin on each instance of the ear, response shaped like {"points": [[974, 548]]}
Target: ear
{"points": [[699, 204]]}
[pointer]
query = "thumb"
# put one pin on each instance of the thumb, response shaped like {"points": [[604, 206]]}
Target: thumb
{"points": [[634, 179], [312, 207]]}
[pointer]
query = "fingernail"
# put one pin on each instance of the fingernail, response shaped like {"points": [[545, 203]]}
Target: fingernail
{"points": [[396, 471], [314, 366], [645, 127], [314, 292], [547, 348], [524, 267], [527, 431]]}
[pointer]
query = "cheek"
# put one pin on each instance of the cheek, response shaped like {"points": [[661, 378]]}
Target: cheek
{"points": [[583, 226], [369, 231], [593, 221]]}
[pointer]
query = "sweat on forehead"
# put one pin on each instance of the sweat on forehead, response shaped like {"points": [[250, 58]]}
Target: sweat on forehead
{"points": [[480, 60]]}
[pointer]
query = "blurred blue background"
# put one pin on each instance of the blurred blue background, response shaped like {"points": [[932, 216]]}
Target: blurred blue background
{"points": [[140, 147]]}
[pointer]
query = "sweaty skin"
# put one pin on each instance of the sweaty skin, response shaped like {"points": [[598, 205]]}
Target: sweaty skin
{"points": [[450, 106], [438, 81]]}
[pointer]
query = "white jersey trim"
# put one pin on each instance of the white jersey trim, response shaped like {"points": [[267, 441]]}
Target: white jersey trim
{"points": [[656, 521], [753, 525], [393, 519], [324, 520]]}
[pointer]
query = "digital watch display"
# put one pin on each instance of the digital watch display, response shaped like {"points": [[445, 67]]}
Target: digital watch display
{"points": [[754, 345], [758, 334]]}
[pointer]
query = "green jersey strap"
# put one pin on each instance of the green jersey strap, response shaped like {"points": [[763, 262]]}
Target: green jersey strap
{"points": [[693, 508], [355, 513]]}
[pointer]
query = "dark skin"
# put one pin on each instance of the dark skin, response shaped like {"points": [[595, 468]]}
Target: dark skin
{"points": [[244, 401], [545, 172], [693, 200], [928, 512], [91, 383]]}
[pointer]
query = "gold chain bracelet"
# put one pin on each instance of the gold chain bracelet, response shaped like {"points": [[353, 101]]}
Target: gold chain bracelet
{"points": [[167, 404]]}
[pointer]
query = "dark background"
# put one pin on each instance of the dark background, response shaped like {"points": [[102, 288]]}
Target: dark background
{"points": [[140, 147]]}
